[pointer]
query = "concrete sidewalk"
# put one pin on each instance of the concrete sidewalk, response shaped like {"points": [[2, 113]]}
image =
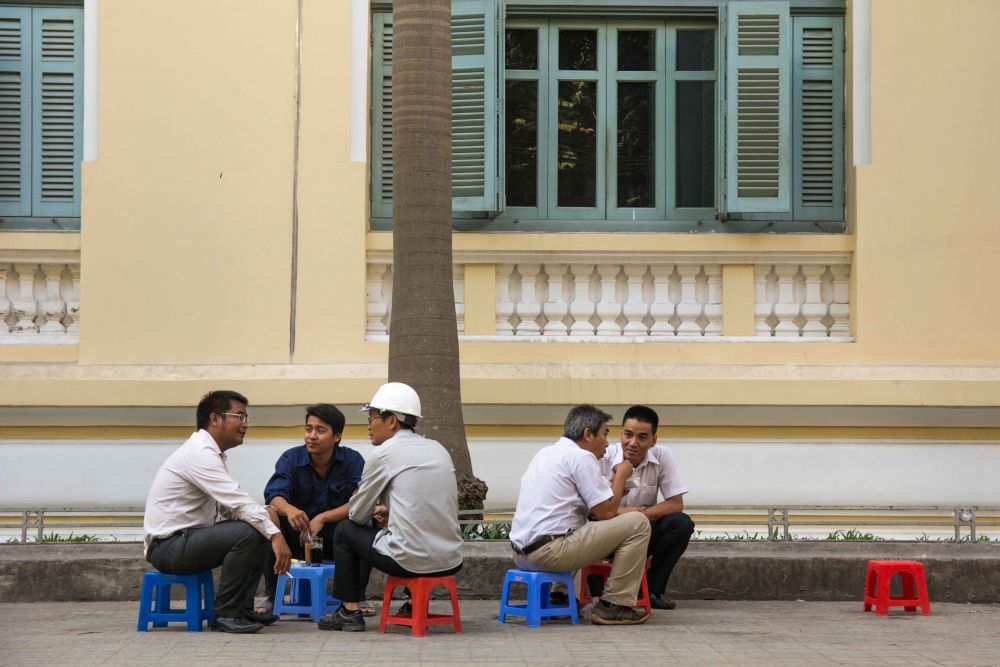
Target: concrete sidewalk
{"points": [[697, 633]]}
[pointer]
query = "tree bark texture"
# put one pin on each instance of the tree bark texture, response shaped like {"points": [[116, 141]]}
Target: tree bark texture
{"points": [[423, 338]]}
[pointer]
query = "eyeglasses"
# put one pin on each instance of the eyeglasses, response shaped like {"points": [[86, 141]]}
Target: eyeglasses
{"points": [[381, 415], [242, 416]]}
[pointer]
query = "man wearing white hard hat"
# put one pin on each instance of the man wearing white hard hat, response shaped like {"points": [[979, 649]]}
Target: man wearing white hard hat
{"points": [[415, 533]]}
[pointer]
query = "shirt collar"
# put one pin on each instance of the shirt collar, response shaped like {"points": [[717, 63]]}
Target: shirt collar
{"points": [[302, 458], [210, 442]]}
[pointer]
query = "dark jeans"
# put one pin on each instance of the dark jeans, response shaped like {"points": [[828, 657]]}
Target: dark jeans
{"points": [[355, 556], [298, 551], [235, 545], [667, 543]]}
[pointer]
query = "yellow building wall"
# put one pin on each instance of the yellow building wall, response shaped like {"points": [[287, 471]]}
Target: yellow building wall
{"points": [[187, 237], [187, 215]]}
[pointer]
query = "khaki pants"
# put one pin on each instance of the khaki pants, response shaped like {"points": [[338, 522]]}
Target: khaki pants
{"points": [[626, 536]]}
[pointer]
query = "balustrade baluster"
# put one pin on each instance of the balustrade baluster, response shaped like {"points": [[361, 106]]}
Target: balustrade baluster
{"points": [[52, 308], [556, 307], [787, 308], [73, 305], [25, 307], [840, 309], [458, 287], [713, 305], [635, 308], [4, 301], [662, 308], [377, 307], [529, 308], [504, 306], [813, 310], [608, 308], [688, 309], [582, 306]]}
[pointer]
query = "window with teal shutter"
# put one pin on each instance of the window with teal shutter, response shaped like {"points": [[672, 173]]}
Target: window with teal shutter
{"points": [[15, 111], [758, 95], [477, 180], [41, 111], [724, 116]]}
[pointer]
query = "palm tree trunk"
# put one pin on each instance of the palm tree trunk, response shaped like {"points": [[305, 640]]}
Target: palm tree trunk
{"points": [[423, 340]]}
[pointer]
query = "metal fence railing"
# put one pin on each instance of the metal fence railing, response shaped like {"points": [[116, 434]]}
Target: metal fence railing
{"points": [[965, 522]]}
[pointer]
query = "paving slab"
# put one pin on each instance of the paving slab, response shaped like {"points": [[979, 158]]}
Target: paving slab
{"points": [[698, 632]]}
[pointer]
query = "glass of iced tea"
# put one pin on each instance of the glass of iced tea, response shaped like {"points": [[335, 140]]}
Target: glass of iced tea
{"points": [[314, 551]]}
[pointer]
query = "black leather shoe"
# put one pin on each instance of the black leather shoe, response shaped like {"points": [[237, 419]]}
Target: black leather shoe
{"points": [[348, 621], [263, 619], [661, 602], [236, 625]]}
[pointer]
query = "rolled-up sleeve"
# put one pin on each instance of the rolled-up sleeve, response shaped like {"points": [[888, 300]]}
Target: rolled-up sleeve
{"points": [[373, 481], [212, 477]]}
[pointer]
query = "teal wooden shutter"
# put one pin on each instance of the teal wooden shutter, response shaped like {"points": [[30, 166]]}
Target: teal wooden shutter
{"points": [[57, 91], [476, 29], [15, 111], [381, 160], [758, 91], [819, 117]]}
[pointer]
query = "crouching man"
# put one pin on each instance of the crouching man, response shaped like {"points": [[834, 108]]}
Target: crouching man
{"points": [[417, 532], [656, 470], [550, 531], [190, 492]]}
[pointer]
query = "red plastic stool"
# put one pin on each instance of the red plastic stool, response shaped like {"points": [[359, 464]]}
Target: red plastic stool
{"points": [[603, 568], [420, 598], [911, 575]]}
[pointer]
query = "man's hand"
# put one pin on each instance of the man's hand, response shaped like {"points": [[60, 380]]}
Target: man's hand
{"points": [[623, 469], [298, 519], [626, 510], [316, 525], [282, 554], [381, 515]]}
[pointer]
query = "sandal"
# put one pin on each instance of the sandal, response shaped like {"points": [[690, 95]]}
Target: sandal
{"points": [[366, 608], [264, 608]]}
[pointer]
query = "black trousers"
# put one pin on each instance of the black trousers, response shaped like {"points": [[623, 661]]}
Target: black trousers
{"points": [[355, 556], [235, 545], [667, 543], [298, 551]]}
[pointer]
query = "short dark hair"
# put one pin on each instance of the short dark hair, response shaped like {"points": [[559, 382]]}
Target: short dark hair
{"points": [[644, 414], [329, 414], [218, 402], [581, 418]]}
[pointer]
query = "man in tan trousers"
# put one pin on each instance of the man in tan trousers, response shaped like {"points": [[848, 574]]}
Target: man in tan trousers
{"points": [[561, 488]]}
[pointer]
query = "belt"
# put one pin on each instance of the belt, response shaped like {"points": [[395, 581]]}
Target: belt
{"points": [[536, 545]]}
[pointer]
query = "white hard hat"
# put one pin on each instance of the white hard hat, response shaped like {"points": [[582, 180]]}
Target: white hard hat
{"points": [[395, 397]]}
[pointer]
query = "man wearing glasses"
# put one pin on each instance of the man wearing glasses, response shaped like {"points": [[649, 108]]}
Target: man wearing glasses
{"points": [[416, 532], [190, 492]]}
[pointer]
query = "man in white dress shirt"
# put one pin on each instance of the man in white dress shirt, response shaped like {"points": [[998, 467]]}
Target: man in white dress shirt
{"points": [[655, 472], [191, 491], [561, 488]]}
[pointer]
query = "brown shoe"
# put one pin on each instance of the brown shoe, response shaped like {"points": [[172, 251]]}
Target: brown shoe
{"points": [[606, 613]]}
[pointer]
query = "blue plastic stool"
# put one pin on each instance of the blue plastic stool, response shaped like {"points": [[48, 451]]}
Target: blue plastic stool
{"points": [[538, 607], [308, 595], [158, 612]]}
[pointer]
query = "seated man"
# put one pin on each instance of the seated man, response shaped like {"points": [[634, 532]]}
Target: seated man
{"points": [[311, 485], [550, 531], [192, 488], [415, 479], [656, 470]]}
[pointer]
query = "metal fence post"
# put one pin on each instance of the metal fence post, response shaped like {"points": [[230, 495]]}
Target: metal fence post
{"points": [[24, 527]]}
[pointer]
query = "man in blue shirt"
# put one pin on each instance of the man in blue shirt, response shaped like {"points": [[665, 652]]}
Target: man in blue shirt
{"points": [[312, 484]]}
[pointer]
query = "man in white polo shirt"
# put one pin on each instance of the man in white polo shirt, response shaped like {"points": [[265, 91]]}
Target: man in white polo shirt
{"points": [[655, 472], [561, 488]]}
